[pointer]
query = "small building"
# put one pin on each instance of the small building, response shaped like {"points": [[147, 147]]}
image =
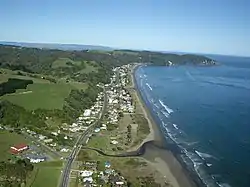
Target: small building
{"points": [[88, 179], [86, 173], [19, 148], [64, 150], [103, 128], [119, 182], [87, 113], [114, 142], [97, 130], [107, 164], [37, 159], [48, 140]]}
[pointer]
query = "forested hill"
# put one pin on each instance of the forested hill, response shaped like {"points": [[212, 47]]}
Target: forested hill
{"points": [[40, 60], [70, 47]]}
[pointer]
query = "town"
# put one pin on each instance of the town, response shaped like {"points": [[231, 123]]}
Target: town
{"points": [[110, 106]]}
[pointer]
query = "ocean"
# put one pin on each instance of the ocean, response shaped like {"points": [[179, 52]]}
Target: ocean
{"points": [[205, 111]]}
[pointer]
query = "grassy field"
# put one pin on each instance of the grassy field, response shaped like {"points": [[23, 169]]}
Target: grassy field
{"points": [[99, 142], [39, 95], [7, 140], [45, 174], [43, 95]]}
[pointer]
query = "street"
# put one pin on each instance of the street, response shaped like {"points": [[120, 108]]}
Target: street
{"points": [[78, 145]]}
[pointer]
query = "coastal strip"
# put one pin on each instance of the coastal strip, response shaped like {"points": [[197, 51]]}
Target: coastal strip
{"points": [[163, 160]]}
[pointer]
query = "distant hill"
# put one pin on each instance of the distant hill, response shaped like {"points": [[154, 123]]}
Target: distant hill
{"points": [[67, 47]]}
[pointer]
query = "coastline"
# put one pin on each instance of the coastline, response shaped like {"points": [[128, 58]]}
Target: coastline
{"points": [[163, 160]]}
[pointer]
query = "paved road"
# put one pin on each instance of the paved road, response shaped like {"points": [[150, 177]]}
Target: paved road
{"points": [[78, 145], [51, 152]]}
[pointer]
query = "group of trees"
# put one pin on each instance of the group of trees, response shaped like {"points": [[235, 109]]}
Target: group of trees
{"points": [[12, 85], [17, 117], [14, 174], [79, 100]]}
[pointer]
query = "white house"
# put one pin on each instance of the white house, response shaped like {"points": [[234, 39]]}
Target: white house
{"points": [[88, 179], [87, 112], [114, 142], [86, 173], [36, 160]]}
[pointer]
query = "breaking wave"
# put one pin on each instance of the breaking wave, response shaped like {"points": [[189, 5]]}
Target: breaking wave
{"points": [[169, 110], [204, 155], [165, 114], [175, 126], [149, 86]]}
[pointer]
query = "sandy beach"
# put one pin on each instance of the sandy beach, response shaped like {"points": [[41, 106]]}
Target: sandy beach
{"points": [[162, 160]]}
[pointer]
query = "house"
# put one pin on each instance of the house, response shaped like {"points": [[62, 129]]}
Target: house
{"points": [[97, 130], [86, 173], [48, 140], [19, 148], [107, 164], [54, 133], [114, 142], [37, 159], [119, 182], [41, 137], [88, 179], [103, 128], [64, 150], [87, 113]]}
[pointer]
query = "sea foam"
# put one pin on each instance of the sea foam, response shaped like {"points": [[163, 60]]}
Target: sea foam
{"points": [[149, 86], [175, 126], [204, 155], [169, 110], [165, 114]]}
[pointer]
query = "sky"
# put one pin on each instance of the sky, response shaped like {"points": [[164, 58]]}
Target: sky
{"points": [[202, 26]]}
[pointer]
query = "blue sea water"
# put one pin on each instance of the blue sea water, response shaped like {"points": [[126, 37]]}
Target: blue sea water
{"points": [[206, 112]]}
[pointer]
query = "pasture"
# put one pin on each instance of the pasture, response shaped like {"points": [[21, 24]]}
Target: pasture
{"points": [[45, 171], [42, 95]]}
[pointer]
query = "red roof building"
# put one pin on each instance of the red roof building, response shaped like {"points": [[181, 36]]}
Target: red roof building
{"points": [[18, 148]]}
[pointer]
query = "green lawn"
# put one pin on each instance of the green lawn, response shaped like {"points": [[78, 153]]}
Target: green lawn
{"points": [[7, 140], [98, 141], [46, 174], [40, 95]]}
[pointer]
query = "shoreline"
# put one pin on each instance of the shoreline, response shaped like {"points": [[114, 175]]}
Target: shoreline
{"points": [[163, 160]]}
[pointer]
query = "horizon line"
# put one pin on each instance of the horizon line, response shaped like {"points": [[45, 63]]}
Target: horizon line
{"points": [[119, 48]]}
